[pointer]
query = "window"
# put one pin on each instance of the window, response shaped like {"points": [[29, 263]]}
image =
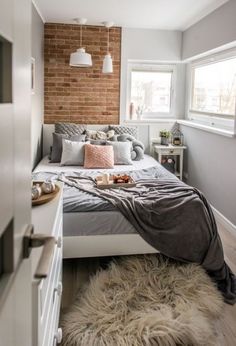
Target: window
{"points": [[151, 91], [213, 91]]}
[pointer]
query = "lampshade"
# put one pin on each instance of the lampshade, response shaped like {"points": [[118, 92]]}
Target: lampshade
{"points": [[80, 58], [107, 66]]}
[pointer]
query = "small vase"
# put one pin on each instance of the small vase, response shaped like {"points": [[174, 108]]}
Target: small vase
{"points": [[164, 141]]}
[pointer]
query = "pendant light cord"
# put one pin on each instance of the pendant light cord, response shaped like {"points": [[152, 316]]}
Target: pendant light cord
{"points": [[108, 40], [81, 28]]}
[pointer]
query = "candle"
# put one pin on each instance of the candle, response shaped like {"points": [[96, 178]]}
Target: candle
{"points": [[105, 178]]}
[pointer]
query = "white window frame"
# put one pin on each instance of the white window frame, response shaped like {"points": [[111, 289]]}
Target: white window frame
{"points": [[156, 67], [223, 122]]}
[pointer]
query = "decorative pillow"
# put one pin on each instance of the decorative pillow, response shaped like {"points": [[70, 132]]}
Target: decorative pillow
{"points": [[99, 156], [97, 135], [72, 153], [137, 150], [120, 130], [70, 129], [57, 144], [122, 153]]}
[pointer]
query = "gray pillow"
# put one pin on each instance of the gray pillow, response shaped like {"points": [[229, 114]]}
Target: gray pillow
{"points": [[57, 144], [122, 153], [70, 129], [72, 153], [120, 130]]}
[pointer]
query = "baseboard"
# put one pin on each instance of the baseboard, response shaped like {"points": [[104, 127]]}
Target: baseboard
{"points": [[221, 219]]}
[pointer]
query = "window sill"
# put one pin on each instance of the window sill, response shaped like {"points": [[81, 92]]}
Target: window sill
{"points": [[150, 121], [211, 129]]}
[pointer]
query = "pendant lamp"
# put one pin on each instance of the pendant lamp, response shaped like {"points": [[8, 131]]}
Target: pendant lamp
{"points": [[80, 58], [107, 66]]}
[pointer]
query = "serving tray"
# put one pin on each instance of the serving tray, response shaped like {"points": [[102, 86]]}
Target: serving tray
{"points": [[47, 197], [112, 185]]}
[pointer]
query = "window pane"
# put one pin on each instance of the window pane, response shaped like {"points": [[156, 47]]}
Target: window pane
{"points": [[214, 87], [151, 91]]}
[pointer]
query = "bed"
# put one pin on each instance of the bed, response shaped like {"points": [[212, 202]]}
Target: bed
{"points": [[160, 213], [95, 233]]}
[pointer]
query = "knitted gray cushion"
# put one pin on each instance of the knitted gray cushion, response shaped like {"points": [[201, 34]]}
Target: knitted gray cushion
{"points": [[137, 150], [120, 130], [70, 129]]}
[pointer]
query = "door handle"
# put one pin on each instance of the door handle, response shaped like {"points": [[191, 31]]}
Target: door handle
{"points": [[32, 240]]}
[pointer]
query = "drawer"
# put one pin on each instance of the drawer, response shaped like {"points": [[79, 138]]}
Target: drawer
{"points": [[169, 151], [45, 284], [45, 298], [51, 326]]}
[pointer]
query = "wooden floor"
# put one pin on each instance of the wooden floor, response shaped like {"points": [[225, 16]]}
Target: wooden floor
{"points": [[76, 273], [227, 325]]}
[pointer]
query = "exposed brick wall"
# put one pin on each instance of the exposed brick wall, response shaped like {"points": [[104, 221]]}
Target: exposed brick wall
{"points": [[82, 95]]}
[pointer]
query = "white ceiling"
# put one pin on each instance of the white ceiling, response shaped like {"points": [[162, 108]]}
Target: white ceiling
{"points": [[156, 14]]}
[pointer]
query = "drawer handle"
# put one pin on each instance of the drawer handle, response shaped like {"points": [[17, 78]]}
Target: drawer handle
{"points": [[58, 336], [37, 240], [171, 151]]}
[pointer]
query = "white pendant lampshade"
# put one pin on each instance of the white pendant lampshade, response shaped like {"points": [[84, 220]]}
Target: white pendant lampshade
{"points": [[107, 66], [80, 58]]}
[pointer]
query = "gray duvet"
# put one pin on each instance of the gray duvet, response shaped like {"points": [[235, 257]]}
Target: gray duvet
{"points": [[171, 216]]}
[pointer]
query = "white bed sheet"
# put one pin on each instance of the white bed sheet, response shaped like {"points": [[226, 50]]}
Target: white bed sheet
{"points": [[45, 166], [108, 233]]}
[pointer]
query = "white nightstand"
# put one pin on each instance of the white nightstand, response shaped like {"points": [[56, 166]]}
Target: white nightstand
{"points": [[171, 150]]}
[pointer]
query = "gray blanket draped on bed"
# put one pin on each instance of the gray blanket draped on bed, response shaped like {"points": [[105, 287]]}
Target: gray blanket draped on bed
{"points": [[175, 219]]}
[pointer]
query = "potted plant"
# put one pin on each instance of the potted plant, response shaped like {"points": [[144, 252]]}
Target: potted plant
{"points": [[165, 135]]}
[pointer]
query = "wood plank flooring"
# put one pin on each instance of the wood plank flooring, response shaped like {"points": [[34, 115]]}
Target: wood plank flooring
{"points": [[227, 325], [76, 273]]}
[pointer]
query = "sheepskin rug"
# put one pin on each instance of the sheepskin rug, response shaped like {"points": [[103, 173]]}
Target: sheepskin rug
{"points": [[144, 301]]}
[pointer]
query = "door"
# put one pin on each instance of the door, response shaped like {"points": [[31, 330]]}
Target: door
{"points": [[15, 170]]}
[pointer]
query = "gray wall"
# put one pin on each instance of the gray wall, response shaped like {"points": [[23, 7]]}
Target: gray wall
{"points": [[215, 30], [38, 97], [211, 158], [211, 167]]}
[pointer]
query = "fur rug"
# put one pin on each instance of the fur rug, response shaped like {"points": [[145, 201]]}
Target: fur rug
{"points": [[144, 301]]}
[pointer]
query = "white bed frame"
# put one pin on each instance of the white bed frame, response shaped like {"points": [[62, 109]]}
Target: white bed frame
{"points": [[98, 245]]}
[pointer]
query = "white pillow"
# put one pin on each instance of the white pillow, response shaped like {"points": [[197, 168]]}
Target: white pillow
{"points": [[122, 153], [72, 153]]}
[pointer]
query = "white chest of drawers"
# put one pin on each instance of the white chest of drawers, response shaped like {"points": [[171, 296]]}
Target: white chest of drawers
{"points": [[47, 219]]}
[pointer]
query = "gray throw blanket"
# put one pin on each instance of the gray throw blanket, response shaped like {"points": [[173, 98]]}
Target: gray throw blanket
{"points": [[174, 218]]}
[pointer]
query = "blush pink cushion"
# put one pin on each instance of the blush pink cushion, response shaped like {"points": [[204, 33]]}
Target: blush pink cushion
{"points": [[98, 156]]}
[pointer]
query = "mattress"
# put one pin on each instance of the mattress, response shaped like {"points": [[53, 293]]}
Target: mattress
{"points": [[90, 215], [96, 223], [45, 166]]}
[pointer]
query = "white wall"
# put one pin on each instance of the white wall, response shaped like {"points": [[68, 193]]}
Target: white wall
{"points": [[37, 113], [213, 31], [150, 45]]}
